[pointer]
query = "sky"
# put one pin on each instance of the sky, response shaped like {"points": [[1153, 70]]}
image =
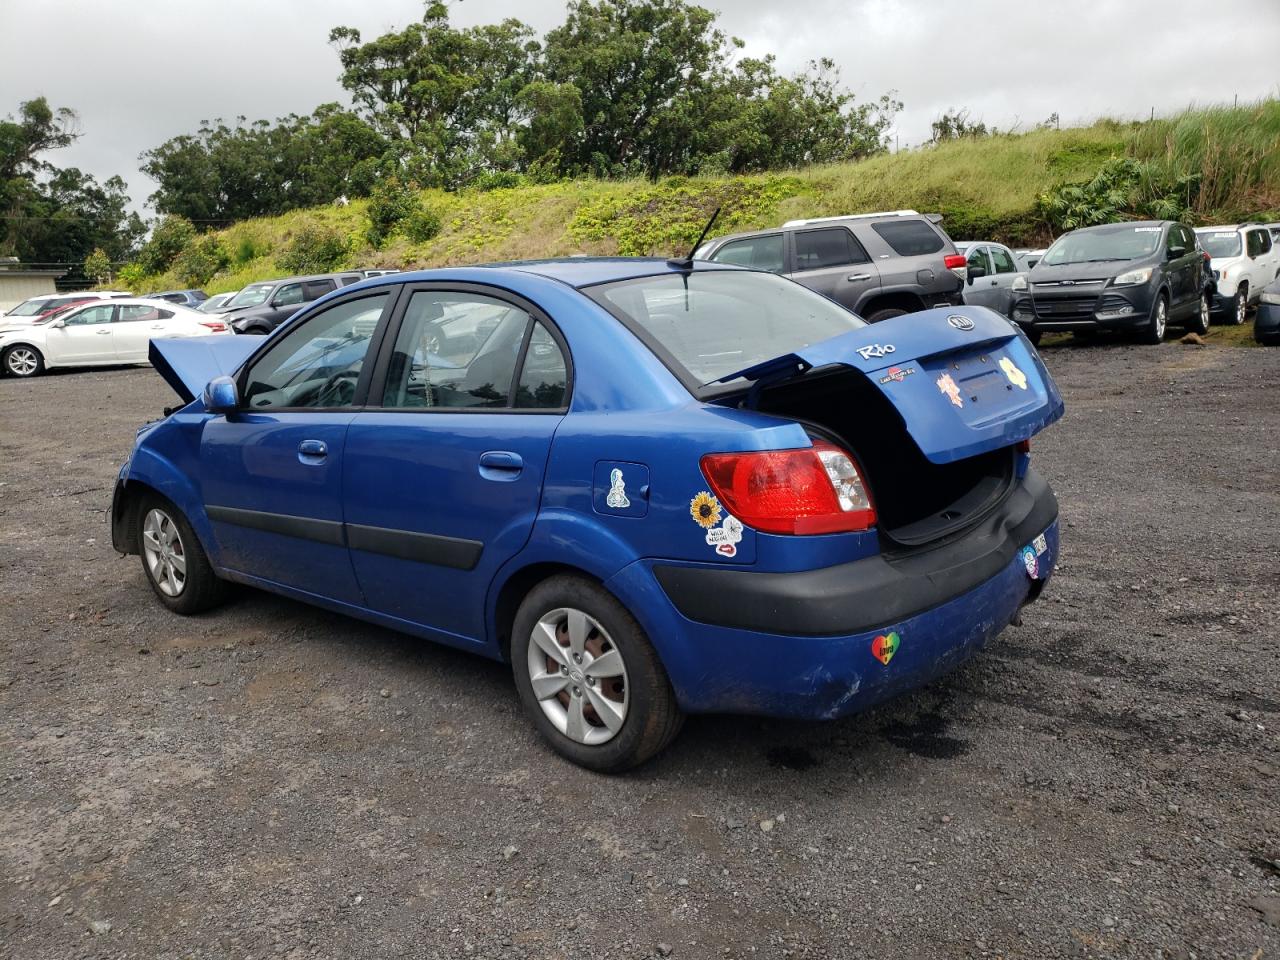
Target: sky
{"points": [[141, 71]]}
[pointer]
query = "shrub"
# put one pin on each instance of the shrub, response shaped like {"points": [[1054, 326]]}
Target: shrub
{"points": [[390, 202], [97, 266], [1122, 189], [199, 260], [246, 250], [422, 225], [498, 180], [170, 236], [313, 250], [130, 277]]}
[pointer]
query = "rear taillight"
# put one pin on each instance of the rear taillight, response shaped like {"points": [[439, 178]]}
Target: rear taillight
{"points": [[217, 326], [954, 261], [1024, 446], [816, 489]]}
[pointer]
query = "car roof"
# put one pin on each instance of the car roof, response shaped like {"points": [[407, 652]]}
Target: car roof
{"points": [[573, 271]]}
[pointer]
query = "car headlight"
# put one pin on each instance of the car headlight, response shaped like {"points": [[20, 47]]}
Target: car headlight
{"points": [[1270, 296], [1132, 278], [1019, 282]]}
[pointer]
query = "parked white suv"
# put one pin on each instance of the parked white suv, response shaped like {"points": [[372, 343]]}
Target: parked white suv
{"points": [[1245, 260]]}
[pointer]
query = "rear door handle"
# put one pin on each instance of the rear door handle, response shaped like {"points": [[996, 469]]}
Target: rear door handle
{"points": [[854, 277], [500, 465], [312, 451], [104, 333]]}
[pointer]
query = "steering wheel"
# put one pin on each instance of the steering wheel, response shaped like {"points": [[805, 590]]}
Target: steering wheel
{"points": [[339, 390]]}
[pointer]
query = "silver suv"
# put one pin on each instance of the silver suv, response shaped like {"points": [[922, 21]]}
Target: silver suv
{"points": [[879, 265]]}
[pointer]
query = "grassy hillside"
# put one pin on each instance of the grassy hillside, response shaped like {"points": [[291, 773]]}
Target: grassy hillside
{"points": [[1227, 160]]}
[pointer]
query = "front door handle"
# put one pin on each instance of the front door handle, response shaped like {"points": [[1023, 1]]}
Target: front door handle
{"points": [[312, 451], [855, 277], [104, 333], [500, 465]]}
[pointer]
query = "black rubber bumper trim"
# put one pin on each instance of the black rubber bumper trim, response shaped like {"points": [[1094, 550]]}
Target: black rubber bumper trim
{"points": [[420, 547], [865, 594], [304, 528], [402, 544]]}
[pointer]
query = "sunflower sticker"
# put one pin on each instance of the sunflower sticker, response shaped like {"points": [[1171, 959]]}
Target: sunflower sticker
{"points": [[1016, 376], [705, 510]]}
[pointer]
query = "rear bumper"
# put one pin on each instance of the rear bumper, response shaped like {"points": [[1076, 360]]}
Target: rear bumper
{"points": [[1266, 323], [803, 644]]}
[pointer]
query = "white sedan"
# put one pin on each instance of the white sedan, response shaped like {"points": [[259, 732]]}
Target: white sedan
{"points": [[98, 334]]}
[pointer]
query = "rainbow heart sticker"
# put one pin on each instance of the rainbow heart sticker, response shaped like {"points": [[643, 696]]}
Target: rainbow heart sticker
{"points": [[885, 646]]}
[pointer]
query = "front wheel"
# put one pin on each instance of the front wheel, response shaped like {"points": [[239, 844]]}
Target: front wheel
{"points": [[589, 678], [173, 560], [1200, 323], [23, 361], [1153, 332]]}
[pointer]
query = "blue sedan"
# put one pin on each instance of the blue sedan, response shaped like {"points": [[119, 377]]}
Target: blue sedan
{"points": [[653, 487]]}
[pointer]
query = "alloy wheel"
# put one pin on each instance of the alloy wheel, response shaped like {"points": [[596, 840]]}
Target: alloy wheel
{"points": [[164, 552], [23, 361], [1242, 307], [1204, 313], [578, 676], [1161, 318]]}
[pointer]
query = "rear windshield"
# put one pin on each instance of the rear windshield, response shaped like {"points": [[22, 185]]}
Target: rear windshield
{"points": [[1220, 243], [1099, 246], [909, 238], [715, 323]]}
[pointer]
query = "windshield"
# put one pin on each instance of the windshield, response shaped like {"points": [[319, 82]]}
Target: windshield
{"points": [[1220, 243], [716, 322], [31, 308], [251, 295], [1096, 246], [215, 303]]}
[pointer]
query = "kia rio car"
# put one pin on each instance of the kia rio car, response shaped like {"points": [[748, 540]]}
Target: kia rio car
{"points": [[652, 487]]}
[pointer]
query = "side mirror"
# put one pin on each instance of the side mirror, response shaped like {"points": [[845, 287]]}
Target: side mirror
{"points": [[58, 324], [976, 271], [221, 395], [1176, 252]]}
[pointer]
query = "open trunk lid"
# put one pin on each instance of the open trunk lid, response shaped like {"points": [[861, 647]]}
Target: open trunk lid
{"points": [[962, 378], [189, 363]]}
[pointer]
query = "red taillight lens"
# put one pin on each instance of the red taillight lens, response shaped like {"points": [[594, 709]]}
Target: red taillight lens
{"points": [[217, 326], [954, 261], [817, 489], [1024, 446]]}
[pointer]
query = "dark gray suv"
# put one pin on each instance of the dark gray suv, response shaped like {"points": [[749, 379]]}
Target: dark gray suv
{"points": [[879, 265], [261, 307]]}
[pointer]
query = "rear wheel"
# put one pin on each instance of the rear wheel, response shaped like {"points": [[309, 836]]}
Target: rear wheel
{"points": [[589, 678], [173, 560], [1200, 321], [23, 361], [888, 313], [1153, 332]]}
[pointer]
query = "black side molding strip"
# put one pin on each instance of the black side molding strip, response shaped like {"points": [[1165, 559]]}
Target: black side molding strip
{"points": [[304, 528], [418, 547], [421, 547]]}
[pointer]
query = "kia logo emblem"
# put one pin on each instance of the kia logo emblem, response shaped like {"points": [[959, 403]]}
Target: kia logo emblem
{"points": [[959, 322]]}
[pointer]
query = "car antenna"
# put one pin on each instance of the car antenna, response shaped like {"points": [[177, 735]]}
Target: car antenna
{"points": [[686, 263]]}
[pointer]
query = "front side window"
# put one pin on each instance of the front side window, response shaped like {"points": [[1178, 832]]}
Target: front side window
{"points": [[759, 253], [909, 238], [832, 247], [713, 323], [978, 258], [455, 350], [92, 315], [287, 295], [317, 364], [1003, 261]]}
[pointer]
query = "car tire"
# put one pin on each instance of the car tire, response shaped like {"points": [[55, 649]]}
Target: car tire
{"points": [[1199, 322], [1239, 306], [888, 313], [1033, 335], [173, 560], [22, 360], [1158, 322], [563, 627]]}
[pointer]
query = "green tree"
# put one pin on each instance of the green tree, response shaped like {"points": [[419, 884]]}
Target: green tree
{"points": [[169, 238], [97, 266], [37, 129]]}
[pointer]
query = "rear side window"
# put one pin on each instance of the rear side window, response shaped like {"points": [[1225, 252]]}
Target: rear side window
{"points": [[544, 378], [909, 238], [1003, 261], [831, 247], [350, 279], [759, 253], [315, 289]]}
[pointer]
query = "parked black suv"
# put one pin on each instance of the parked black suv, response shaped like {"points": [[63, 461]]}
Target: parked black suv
{"points": [[879, 265], [1139, 277], [261, 307]]}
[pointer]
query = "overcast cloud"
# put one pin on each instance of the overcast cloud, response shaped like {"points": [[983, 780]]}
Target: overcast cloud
{"points": [[141, 71]]}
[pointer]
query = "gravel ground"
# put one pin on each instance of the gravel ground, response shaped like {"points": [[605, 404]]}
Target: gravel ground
{"points": [[270, 780]]}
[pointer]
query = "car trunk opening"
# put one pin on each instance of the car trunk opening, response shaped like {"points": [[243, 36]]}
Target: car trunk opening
{"points": [[916, 500]]}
